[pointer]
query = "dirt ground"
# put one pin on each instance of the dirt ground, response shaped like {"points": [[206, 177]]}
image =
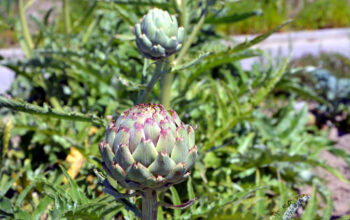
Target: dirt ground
{"points": [[340, 190]]}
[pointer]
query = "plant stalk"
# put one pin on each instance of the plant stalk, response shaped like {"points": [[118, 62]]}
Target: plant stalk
{"points": [[149, 205], [165, 96], [67, 24], [158, 71], [167, 80], [184, 20], [27, 37]]}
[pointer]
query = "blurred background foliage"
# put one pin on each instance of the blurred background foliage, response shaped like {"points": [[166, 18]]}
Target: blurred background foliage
{"points": [[258, 145], [307, 15]]}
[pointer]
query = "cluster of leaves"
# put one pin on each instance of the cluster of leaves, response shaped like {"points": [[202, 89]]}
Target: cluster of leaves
{"points": [[251, 161]]}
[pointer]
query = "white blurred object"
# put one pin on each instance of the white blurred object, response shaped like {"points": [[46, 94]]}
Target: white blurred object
{"points": [[6, 78], [13, 53], [6, 75], [298, 106], [299, 43]]}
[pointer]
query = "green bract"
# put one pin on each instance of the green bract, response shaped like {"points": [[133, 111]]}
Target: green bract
{"points": [[148, 148], [158, 35]]}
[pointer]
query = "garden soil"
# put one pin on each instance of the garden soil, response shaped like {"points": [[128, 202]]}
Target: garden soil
{"points": [[340, 190]]}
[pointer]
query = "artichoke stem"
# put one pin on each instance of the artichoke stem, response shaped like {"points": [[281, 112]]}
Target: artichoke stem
{"points": [[166, 82], [166, 89], [158, 71], [149, 205]]}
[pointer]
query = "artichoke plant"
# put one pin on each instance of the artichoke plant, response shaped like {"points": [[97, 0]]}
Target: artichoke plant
{"points": [[158, 35], [148, 147]]}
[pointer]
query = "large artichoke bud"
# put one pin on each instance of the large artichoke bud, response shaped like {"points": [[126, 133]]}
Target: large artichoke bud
{"points": [[158, 35], [148, 148]]}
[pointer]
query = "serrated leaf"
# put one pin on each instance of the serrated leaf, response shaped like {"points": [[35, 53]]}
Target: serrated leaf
{"points": [[232, 18], [191, 63], [237, 198], [9, 184], [77, 195], [264, 91], [22, 215], [302, 91], [217, 60], [247, 141], [258, 39], [5, 205], [297, 123]]}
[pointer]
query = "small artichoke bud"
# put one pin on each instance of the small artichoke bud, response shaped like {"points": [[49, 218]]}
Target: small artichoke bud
{"points": [[148, 147], [158, 35]]}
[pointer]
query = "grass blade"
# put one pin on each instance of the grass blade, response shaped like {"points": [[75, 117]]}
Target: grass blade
{"points": [[41, 208], [176, 201], [311, 208]]}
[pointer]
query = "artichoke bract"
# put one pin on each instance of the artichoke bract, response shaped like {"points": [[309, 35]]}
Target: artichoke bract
{"points": [[148, 147], [158, 35]]}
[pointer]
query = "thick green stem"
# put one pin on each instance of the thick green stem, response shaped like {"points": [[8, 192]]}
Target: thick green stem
{"points": [[149, 205], [144, 70], [158, 71], [184, 20], [47, 111], [24, 24], [67, 24], [167, 80], [165, 96]]}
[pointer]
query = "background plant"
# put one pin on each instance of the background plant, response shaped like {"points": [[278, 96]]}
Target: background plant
{"points": [[327, 76]]}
